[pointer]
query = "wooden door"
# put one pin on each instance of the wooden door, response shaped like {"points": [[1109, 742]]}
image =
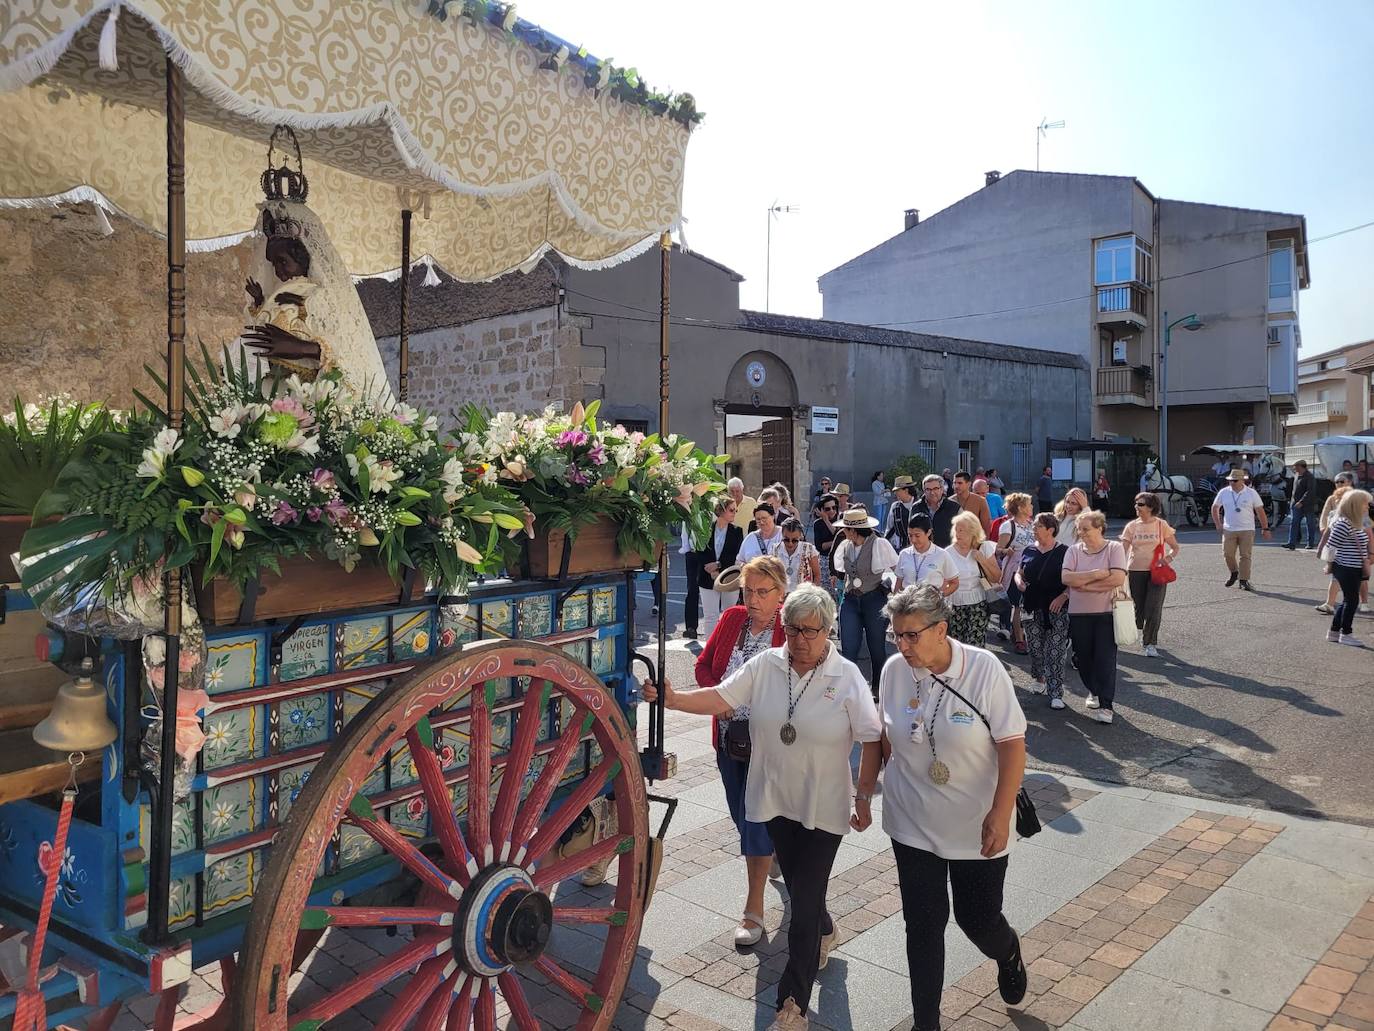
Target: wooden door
{"points": [[777, 453]]}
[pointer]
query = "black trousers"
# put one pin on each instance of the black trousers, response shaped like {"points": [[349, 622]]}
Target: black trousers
{"points": [[1148, 598], [1349, 578], [691, 609], [977, 888], [806, 857], [1094, 653]]}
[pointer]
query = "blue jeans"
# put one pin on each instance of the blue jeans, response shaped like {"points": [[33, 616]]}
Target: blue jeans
{"points": [[734, 775], [861, 618], [1295, 528]]}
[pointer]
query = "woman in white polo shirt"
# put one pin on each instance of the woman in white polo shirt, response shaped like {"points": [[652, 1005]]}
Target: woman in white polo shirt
{"points": [[808, 705], [956, 737], [924, 561]]}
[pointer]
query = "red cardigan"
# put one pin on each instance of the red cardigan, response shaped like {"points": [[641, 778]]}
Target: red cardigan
{"points": [[711, 663]]}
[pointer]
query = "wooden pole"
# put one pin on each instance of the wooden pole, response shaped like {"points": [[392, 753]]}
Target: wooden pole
{"points": [[160, 874], [665, 251], [403, 355]]}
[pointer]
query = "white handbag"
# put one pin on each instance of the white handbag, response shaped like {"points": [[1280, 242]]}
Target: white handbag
{"points": [[1123, 622]]}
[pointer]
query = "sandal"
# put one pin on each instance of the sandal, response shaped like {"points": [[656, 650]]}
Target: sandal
{"points": [[746, 936]]}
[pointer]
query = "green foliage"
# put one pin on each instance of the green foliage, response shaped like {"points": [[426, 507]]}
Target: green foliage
{"points": [[36, 442], [908, 465]]}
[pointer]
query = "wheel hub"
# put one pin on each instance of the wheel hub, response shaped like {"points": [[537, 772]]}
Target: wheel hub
{"points": [[502, 920]]}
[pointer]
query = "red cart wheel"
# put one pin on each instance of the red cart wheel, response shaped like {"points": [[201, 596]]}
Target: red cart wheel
{"points": [[484, 915]]}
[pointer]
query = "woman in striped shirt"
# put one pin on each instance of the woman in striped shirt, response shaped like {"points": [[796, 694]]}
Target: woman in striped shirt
{"points": [[1348, 541]]}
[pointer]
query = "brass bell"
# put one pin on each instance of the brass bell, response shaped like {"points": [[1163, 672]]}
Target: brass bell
{"points": [[77, 722]]}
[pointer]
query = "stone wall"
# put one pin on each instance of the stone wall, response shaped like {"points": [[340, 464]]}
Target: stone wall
{"points": [[517, 362], [81, 312]]}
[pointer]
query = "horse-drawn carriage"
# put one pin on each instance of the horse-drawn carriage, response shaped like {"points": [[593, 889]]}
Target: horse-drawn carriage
{"points": [[1190, 501], [369, 750]]}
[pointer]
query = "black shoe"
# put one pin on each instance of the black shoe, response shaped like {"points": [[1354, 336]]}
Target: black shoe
{"points": [[1246, 586], [1011, 978], [1289, 547], [691, 635], [1231, 582]]}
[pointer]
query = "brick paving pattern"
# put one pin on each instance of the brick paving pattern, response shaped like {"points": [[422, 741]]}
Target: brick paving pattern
{"points": [[1339, 992]]}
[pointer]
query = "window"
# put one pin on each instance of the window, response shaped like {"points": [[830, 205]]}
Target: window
{"points": [[1020, 463], [1122, 259], [926, 449], [634, 425], [1281, 279], [968, 456]]}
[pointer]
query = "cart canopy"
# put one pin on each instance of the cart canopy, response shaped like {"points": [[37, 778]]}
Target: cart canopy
{"points": [[505, 140], [1237, 449], [1347, 439]]}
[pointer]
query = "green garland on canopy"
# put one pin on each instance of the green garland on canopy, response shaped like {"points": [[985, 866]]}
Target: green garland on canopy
{"points": [[624, 84]]}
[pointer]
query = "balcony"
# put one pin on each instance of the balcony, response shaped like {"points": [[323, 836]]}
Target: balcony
{"points": [[1317, 413], [1123, 305], [1124, 385]]}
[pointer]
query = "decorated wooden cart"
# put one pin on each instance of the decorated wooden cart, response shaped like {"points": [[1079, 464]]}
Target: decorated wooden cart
{"points": [[375, 755]]}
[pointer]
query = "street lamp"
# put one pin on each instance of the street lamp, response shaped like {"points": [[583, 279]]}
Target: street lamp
{"points": [[774, 210], [1192, 324]]}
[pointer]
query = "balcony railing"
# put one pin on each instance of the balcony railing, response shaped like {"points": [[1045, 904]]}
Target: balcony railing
{"points": [[1122, 299], [1121, 381], [1317, 412]]}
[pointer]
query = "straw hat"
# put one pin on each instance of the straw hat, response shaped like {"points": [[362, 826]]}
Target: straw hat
{"points": [[1237, 474], [855, 519], [841, 488], [728, 579], [903, 481]]}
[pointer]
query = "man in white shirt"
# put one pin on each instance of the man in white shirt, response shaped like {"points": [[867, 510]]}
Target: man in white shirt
{"points": [[1234, 513]]}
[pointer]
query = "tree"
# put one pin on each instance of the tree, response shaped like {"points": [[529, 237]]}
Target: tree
{"points": [[908, 465]]}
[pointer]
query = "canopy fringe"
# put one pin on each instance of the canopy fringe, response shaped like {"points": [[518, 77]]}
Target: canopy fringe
{"points": [[108, 51]]}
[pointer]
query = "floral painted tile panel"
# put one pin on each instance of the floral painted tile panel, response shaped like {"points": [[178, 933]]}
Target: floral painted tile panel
{"points": [[303, 720], [230, 810], [603, 606], [577, 611], [230, 882], [360, 643], [411, 635], [234, 663], [536, 616], [233, 736]]}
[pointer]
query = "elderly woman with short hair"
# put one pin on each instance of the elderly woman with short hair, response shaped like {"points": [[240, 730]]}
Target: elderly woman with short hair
{"points": [[808, 706], [743, 632], [1094, 570], [972, 555], [956, 740]]}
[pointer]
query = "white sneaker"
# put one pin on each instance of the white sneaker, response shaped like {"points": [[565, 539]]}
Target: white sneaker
{"points": [[1351, 640], [1103, 715], [1056, 703], [1325, 609], [789, 1018], [1038, 687], [1091, 703], [1151, 652], [827, 943], [1333, 636]]}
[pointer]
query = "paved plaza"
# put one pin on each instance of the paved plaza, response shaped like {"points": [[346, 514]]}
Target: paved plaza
{"points": [[1207, 862]]}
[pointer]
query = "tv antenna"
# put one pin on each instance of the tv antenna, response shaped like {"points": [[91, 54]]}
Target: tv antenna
{"points": [[774, 210], [1042, 130]]}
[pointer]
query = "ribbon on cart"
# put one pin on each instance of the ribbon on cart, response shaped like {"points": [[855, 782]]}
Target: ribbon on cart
{"points": [[30, 1010]]}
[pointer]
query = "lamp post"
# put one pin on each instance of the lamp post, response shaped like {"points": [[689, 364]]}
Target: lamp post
{"points": [[1192, 324], [773, 209]]}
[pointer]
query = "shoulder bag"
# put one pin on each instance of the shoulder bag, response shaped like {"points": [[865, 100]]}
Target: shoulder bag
{"points": [[994, 594], [735, 740], [1027, 819], [1125, 631], [1160, 571]]}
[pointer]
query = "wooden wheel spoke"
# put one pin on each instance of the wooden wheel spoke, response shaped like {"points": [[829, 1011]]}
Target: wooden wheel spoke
{"points": [[484, 1017], [479, 777], [369, 980], [362, 817], [319, 917], [571, 809], [547, 784], [578, 990], [460, 1012], [590, 915], [550, 874], [420, 987], [534, 708], [516, 1000], [433, 1017], [440, 802]]}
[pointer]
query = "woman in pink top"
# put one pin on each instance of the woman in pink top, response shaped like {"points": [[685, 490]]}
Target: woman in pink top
{"points": [[1094, 569], [1143, 536]]}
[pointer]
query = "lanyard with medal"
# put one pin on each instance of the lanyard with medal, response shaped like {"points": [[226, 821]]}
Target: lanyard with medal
{"points": [[938, 770], [789, 732]]}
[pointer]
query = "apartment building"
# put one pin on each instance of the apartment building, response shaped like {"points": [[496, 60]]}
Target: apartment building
{"points": [[1098, 267], [1335, 396]]}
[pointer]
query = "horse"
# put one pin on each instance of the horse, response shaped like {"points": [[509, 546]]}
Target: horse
{"points": [[1176, 495]]}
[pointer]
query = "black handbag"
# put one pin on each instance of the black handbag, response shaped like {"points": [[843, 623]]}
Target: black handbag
{"points": [[1027, 819], [735, 740]]}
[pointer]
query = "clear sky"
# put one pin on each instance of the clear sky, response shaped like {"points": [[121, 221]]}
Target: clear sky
{"points": [[856, 111]]}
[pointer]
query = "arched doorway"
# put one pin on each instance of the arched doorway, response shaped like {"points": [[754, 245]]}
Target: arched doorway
{"points": [[762, 427]]}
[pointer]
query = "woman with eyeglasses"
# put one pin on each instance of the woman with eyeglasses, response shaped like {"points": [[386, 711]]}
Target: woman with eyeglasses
{"points": [[954, 742], [823, 537], [1094, 570], [1145, 536], [1045, 608], [808, 706], [797, 555], [743, 632]]}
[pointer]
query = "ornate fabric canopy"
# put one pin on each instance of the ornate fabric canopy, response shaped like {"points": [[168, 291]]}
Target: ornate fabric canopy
{"points": [[500, 159]]}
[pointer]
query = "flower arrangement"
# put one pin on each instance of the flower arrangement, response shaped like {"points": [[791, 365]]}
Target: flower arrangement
{"points": [[263, 469], [39, 438], [569, 471]]}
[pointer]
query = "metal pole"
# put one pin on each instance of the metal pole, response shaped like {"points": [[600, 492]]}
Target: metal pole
{"points": [[160, 878], [1164, 405], [665, 251], [403, 359]]}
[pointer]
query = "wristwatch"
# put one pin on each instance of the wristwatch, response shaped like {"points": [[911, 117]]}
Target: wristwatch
{"points": [[863, 796]]}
